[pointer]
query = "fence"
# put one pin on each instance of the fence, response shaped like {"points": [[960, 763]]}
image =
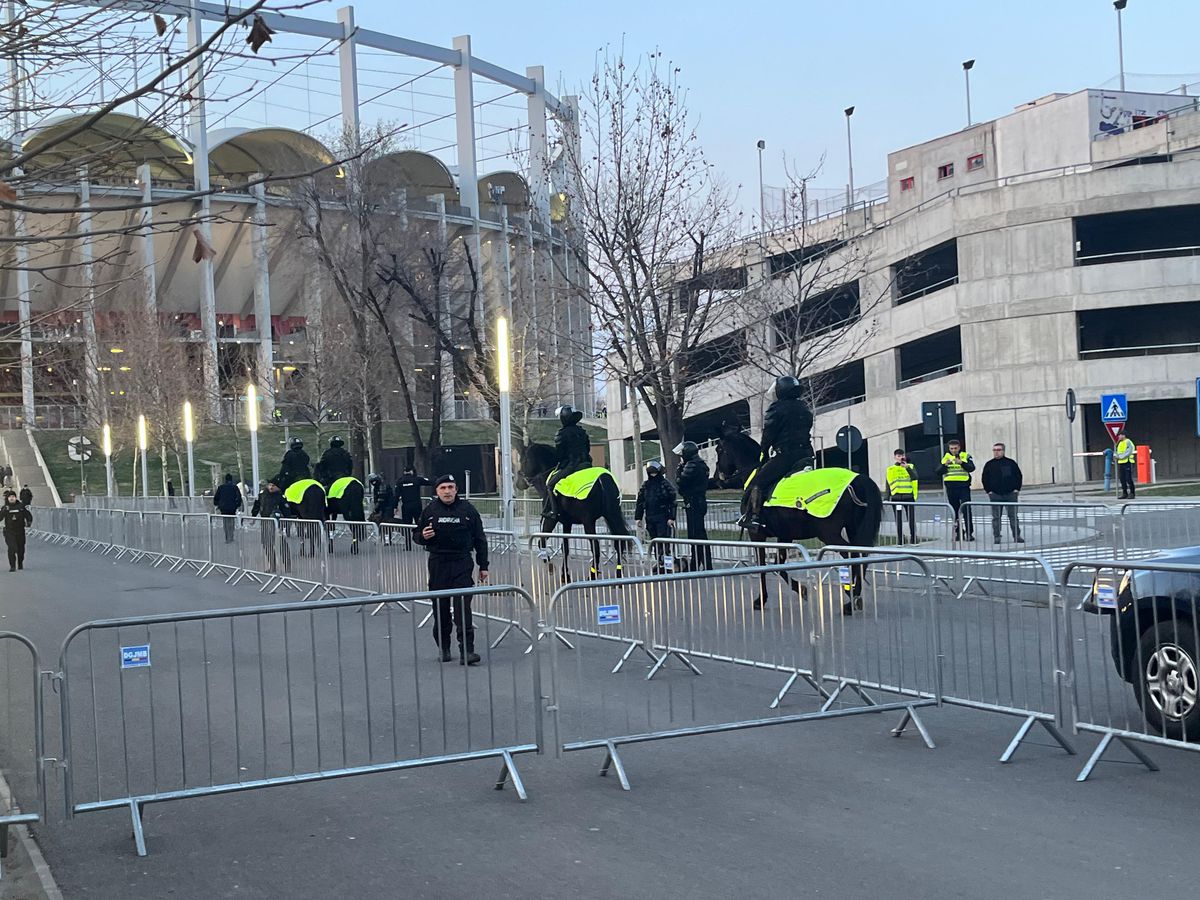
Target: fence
{"points": [[23, 786], [168, 707]]}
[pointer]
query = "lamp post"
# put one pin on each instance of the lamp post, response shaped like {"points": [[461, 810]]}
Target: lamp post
{"points": [[762, 197], [252, 422], [189, 437], [1119, 5], [143, 446], [967, 66], [106, 441], [504, 382], [849, 157]]}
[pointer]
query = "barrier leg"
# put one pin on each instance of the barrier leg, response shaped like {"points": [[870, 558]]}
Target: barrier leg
{"points": [[832, 698], [910, 715], [612, 760], [509, 771], [792, 679], [1023, 732], [633, 645], [661, 661], [1102, 748], [139, 837]]}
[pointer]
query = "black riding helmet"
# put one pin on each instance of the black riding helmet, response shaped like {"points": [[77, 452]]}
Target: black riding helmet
{"points": [[787, 387], [374, 479], [569, 415], [687, 450], [336, 442], [654, 468], [297, 444]]}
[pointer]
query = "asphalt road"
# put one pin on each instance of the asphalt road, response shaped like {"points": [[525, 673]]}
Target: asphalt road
{"points": [[829, 809]]}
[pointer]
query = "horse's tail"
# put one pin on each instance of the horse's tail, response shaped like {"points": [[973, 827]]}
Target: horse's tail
{"points": [[610, 504], [866, 493]]}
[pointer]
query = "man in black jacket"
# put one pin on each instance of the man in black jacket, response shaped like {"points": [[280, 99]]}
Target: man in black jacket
{"points": [[574, 449], [1002, 480], [272, 505], [408, 498], [786, 444], [693, 487], [656, 504], [295, 465], [450, 528], [228, 500], [17, 518]]}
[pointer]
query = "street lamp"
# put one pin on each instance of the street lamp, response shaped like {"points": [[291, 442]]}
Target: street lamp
{"points": [[252, 422], [762, 201], [967, 67], [1119, 5], [143, 446], [850, 156], [106, 444], [189, 436], [504, 383]]}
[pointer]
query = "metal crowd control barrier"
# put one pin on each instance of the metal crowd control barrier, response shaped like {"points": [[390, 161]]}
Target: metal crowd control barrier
{"points": [[999, 619], [23, 799], [713, 661], [571, 557], [1136, 660], [1148, 526], [167, 707], [1059, 532], [680, 554], [932, 521]]}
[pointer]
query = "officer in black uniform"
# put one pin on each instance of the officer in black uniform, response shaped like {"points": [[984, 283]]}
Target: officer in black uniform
{"points": [[693, 486], [272, 505], [656, 504], [408, 495], [295, 465], [17, 518], [574, 449], [786, 444], [450, 528], [336, 462]]}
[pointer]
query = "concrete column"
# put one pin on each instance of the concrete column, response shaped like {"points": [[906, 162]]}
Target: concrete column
{"points": [[446, 388], [96, 401], [539, 149], [314, 295], [265, 363], [199, 137], [146, 232], [348, 75], [464, 128], [24, 308], [569, 122]]}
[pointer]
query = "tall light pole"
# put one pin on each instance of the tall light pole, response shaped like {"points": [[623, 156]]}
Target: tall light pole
{"points": [[189, 437], [1119, 5], [106, 445], [762, 197], [849, 156], [143, 446], [504, 382], [967, 67], [252, 422]]}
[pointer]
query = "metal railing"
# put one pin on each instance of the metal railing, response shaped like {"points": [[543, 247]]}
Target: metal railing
{"points": [[929, 376], [22, 741], [1143, 350]]}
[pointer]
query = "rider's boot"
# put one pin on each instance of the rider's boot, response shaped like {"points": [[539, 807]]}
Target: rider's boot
{"points": [[751, 520]]}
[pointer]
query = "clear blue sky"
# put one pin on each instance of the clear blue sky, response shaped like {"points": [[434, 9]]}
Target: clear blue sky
{"points": [[784, 71]]}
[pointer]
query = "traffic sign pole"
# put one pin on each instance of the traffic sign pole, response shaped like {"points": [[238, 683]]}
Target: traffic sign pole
{"points": [[1071, 439]]}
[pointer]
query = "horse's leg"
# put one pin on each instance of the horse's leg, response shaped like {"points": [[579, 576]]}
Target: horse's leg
{"points": [[589, 528], [567, 527], [761, 600]]}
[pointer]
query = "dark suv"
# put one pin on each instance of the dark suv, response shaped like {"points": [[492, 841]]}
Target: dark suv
{"points": [[1155, 638]]}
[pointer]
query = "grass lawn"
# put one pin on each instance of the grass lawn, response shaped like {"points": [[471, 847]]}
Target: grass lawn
{"points": [[1170, 490], [219, 444]]}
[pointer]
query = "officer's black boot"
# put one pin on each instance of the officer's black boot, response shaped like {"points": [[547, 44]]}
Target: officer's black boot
{"points": [[446, 654], [471, 658]]}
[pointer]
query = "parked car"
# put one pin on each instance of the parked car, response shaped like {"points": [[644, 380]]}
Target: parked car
{"points": [[1155, 638]]}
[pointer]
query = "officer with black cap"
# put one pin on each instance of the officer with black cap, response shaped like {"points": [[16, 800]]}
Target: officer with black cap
{"points": [[574, 449], [450, 528], [295, 465], [786, 444], [693, 487], [336, 462]]}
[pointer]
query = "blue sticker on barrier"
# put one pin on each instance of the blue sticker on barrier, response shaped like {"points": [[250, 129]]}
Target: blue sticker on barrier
{"points": [[135, 657], [1106, 596], [608, 615], [844, 575]]}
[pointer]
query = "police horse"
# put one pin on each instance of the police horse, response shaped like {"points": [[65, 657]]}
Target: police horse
{"points": [[306, 497], [346, 497], [601, 501], [854, 519]]}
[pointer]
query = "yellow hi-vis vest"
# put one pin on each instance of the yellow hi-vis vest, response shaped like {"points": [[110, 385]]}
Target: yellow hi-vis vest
{"points": [[1126, 451], [295, 491], [954, 467], [339, 487], [901, 482]]}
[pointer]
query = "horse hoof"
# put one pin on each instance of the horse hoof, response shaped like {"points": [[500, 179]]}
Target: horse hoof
{"points": [[758, 603]]}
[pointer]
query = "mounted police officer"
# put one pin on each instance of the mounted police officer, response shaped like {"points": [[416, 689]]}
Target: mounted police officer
{"points": [[786, 444], [295, 465], [693, 486], [574, 449], [656, 504], [336, 462]]}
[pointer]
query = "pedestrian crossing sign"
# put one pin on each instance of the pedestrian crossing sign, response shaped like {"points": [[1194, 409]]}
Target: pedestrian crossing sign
{"points": [[1113, 408]]}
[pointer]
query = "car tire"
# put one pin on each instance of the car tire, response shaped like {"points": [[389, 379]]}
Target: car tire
{"points": [[1168, 679]]}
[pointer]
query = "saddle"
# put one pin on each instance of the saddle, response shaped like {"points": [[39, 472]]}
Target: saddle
{"points": [[814, 491]]}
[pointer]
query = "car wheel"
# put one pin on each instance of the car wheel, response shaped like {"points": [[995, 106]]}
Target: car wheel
{"points": [[1168, 685]]}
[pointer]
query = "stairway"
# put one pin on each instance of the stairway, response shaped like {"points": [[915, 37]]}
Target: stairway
{"points": [[17, 449]]}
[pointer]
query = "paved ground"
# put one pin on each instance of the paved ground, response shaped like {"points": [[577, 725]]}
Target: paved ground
{"points": [[831, 809]]}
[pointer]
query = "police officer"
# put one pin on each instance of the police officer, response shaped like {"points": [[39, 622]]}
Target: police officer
{"points": [[450, 528], [336, 462], [693, 487], [271, 506], [902, 491], [1126, 458], [656, 504], [408, 495], [295, 465], [786, 444], [574, 449], [956, 468], [17, 518]]}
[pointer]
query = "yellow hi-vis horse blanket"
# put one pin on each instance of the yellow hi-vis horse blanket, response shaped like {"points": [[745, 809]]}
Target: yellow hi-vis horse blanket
{"points": [[579, 484], [339, 487], [816, 491], [295, 490]]}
